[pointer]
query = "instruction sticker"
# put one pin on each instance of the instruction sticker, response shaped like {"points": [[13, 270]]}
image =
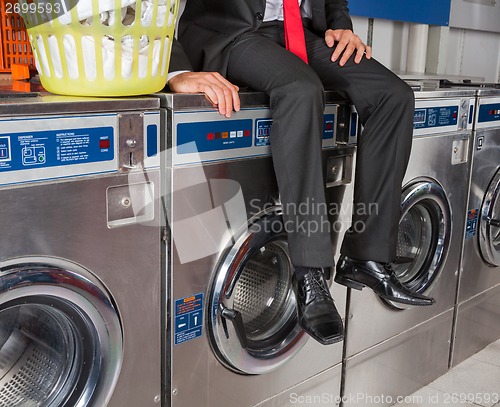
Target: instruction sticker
{"points": [[471, 227], [188, 318]]}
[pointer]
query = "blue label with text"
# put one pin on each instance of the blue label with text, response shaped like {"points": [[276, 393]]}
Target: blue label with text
{"points": [[188, 318], [53, 148], [435, 117], [489, 113], [471, 226]]}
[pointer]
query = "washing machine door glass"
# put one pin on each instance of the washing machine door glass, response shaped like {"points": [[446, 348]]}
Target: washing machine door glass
{"points": [[253, 324], [489, 223], [423, 236], [60, 338]]}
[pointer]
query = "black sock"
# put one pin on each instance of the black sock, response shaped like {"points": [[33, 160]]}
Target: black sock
{"points": [[300, 272]]}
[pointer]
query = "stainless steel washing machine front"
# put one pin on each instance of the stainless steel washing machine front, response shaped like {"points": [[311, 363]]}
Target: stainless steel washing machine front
{"points": [[478, 304], [232, 334], [79, 267], [393, 350]]}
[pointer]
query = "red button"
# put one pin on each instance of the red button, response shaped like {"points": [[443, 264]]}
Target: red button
{"points": [[246, 133], [211, 136], [104, 144]]}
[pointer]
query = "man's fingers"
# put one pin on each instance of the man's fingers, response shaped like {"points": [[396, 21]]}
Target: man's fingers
{"points": [[341, 46], [348, 44], [368, 52], [330, 38], [221, 93], [227, 94]]}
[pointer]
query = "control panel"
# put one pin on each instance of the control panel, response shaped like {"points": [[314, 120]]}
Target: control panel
{"points": [[52, 147], [488, 112], [440, 116], [203, 136]]}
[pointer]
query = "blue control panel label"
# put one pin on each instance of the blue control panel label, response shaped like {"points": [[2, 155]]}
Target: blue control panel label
{"points": [[263, 129], [53, 148], [471, 114], [328, 126], [354, 124], [435, 117], [152, 140], [472, 220], [489, 113], [213, 136], [188, 318], [5, 154]]}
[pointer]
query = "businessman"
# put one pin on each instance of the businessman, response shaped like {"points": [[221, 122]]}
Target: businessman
{"points": [[293, 50]]}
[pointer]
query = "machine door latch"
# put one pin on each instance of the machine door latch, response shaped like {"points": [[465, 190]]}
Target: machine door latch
{"points": [[239, 327], [494, 222], [131, 141]]}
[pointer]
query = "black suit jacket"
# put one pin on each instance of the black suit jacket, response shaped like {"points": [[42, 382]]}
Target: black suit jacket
{"points": [[208, 27], [178, 59]]}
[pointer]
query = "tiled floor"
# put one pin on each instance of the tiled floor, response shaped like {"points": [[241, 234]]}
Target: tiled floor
{"points": [[474, 382]]}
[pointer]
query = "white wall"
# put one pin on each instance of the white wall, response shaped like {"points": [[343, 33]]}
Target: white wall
{"points": [[389, 41], [477, 53], [466, 52]]}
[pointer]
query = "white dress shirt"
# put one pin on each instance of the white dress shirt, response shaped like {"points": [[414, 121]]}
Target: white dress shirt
{"points": [[274, 9]]}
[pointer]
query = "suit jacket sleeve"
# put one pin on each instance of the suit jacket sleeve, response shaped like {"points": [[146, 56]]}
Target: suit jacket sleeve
{"points": [[337, 15], [178, 58]]}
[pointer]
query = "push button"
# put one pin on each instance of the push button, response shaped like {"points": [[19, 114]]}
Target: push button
{"points": [[259, 16]]}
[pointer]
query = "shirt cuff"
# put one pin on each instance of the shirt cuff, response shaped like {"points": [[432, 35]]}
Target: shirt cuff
{"points": [[175, 73]]}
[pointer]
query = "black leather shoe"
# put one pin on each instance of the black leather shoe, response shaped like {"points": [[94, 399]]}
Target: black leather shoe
{"points": [[316, 310], [380, 278]]}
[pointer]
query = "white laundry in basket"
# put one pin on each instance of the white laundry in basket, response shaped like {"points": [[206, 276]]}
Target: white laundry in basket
{"points": [[107, 16]]}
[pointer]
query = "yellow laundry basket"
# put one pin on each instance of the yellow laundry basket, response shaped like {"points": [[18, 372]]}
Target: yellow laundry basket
{"points": [[101, 47]]}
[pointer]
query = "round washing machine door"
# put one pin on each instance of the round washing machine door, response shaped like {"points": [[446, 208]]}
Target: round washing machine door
{"points": [[489, 223], [252, 323], [423, 236], [60, 336]]}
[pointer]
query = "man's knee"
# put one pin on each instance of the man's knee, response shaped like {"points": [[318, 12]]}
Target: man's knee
{"points": [[401, 94], [309, 89]]}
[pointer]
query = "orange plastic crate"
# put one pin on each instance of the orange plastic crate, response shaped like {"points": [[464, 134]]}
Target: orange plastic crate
{"points": [[16, 48]]}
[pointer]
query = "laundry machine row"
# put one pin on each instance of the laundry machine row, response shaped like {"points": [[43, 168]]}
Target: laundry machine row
{"points": [[478, 299], [392, 350], [79, 264], [231, 336]]}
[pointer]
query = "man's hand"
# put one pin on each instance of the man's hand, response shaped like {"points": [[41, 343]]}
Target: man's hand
{"points": [[222, 93], [348, 43]]}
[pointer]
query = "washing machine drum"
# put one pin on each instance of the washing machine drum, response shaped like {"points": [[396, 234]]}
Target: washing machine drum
{"points": [[489, 223], [60, 338], [252, 323], [423, 237]]}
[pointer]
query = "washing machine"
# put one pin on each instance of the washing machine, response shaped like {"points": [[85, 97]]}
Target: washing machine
{"points": [[231, 336], [80, 252], [478, 300], [391, 349]]}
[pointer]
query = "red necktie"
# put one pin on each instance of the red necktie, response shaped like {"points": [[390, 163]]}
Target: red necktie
{"points": [[294, 31]]}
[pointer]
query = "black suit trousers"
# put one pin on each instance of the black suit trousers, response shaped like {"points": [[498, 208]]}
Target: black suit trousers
{"points": [[385, 105]]}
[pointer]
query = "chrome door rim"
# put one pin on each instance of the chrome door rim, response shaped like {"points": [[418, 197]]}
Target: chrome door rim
{"points": [[429, 194], [489, 231], [229, 350], [76, 296]]}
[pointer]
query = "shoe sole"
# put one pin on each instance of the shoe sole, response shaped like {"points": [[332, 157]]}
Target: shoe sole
{"points": [[359, 286], [349, 283], [324, 341]]}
